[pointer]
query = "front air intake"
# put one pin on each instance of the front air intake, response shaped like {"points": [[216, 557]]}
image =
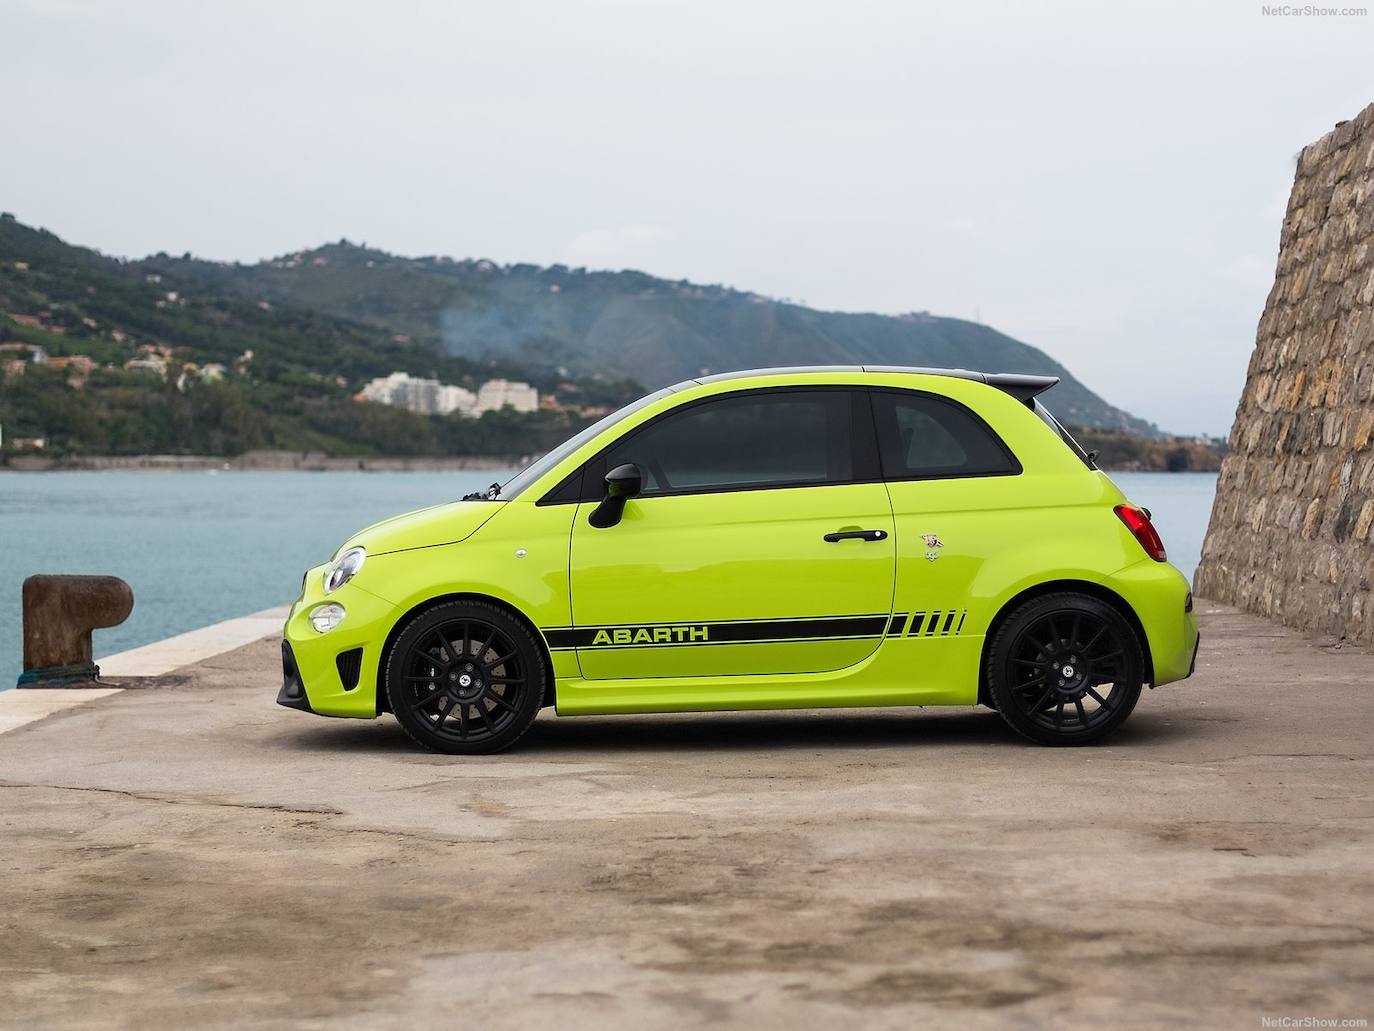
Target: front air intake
{"points": [[350, 665]]}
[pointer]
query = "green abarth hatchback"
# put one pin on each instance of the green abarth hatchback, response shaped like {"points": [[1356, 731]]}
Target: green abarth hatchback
{"points": [[787, 538]]}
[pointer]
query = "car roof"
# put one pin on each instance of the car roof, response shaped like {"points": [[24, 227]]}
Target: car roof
{"points": [[1021, 386]]}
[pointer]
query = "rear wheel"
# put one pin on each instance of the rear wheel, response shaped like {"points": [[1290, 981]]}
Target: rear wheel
{"points": [[1065, 669], [466, 678]]}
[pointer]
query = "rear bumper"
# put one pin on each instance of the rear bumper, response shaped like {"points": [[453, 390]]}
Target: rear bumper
{"points": [[1159, 595]]}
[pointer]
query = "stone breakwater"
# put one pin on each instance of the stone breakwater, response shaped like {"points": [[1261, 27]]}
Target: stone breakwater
{"points": [[1290, 533]]}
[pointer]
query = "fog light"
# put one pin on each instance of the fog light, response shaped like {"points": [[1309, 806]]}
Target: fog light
{"points": [[325, 618]]}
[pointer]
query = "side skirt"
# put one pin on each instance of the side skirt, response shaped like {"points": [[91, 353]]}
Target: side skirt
{"points": [[909, 670]]}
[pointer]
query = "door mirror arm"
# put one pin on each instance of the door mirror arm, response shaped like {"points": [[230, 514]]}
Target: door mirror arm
{"points": [[622, 483]]}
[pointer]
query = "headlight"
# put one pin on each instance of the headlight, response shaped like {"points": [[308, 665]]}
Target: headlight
{"points": [[326, 617], [343, 569]]}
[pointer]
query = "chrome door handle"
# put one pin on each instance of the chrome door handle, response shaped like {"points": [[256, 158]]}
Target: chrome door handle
{"points": [[856, 535]]}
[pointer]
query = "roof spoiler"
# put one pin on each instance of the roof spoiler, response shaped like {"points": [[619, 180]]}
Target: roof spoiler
{"points": [[1023, 388], [1018, 385]]}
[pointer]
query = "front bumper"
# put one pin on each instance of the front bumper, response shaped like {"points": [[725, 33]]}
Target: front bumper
{"points": [[292, 693], [322, 673]]}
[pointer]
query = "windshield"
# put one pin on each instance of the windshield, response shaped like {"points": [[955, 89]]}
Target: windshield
{"points": [[535, 470], [1064, 435]]}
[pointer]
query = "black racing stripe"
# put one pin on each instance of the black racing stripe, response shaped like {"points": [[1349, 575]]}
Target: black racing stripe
{"points": [[723, 644], [800, 629], [765, 630], [712, 622], [741, 632]]}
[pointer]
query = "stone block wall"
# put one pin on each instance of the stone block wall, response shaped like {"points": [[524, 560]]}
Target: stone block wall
{"points": [[1292, 529]]}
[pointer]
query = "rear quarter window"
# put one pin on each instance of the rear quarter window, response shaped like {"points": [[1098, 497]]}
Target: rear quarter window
{"points": [[921, 436]]}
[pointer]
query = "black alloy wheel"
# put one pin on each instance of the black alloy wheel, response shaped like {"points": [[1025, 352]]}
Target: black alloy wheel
{"points": [[466, 678], [1065, 669]]}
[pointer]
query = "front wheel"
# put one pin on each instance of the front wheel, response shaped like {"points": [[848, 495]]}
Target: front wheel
{"points": [[1065, 669], [465, 677]]}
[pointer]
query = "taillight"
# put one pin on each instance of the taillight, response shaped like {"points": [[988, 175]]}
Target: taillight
{"points": [[1137, 520]]}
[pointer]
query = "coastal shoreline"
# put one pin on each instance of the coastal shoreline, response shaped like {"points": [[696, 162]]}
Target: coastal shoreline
{"points": [[291, 461], [261, 461]]}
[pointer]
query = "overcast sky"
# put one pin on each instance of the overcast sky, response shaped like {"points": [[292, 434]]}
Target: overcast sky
{"points": [[1104, 181]]}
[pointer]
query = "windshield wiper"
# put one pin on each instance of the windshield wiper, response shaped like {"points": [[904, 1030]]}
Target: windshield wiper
{"points": [[490, 494]]}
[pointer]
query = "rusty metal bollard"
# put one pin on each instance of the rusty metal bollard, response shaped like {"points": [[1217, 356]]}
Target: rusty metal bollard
{"points": [[59, 614]]}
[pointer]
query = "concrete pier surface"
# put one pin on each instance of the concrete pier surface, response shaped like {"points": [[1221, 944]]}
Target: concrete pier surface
{"points": [[192, 854]]}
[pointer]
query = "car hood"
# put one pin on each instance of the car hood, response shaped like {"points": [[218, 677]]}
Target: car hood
{"points": [[425, 528]]}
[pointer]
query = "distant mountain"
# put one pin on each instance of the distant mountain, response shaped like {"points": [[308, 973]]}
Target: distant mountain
{"points": [[621, 324], [179, 355]]}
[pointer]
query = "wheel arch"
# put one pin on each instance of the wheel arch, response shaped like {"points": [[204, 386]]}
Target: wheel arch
{"points": [[383, 703], [1088, 587]]}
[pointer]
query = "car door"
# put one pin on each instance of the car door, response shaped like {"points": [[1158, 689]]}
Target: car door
{"points": [[761, 542]]}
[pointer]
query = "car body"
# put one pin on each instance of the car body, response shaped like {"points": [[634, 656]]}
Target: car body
{"points": [[842, 536]]}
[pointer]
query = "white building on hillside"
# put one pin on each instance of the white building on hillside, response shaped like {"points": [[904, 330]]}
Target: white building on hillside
{"points": [[496, 394], [401, 390], [426, 396], [455, 399]]}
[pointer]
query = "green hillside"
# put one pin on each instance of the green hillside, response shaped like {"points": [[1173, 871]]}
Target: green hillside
{"points": [[289, 377], [651, 330]]}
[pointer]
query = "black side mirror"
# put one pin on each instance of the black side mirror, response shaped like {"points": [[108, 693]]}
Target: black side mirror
{"points": [[622, 483]]}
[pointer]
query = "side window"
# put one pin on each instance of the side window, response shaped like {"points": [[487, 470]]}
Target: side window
{"points": [[773, 439], [922, 436]]}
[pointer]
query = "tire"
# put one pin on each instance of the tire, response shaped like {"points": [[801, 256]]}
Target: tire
{"points": [[466, 678], [1045, 637]]}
